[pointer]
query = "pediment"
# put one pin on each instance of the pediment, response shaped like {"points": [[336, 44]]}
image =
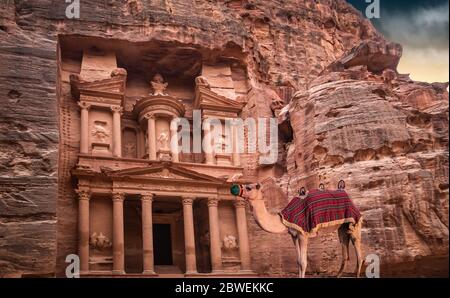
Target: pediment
{"points": [[165, 171], [110, 87], [207, 99]]}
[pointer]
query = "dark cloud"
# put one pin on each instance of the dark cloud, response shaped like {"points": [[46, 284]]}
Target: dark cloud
{"points": [[420, 27]]}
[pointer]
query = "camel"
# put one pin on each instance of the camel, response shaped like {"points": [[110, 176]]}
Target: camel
{"points": [[273, 223]]}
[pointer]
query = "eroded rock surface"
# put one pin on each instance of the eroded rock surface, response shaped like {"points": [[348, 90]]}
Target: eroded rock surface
{"points": [[389, 142]]}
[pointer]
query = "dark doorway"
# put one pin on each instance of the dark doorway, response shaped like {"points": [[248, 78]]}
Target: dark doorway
{"points": [[162, 244], [133, 236]]}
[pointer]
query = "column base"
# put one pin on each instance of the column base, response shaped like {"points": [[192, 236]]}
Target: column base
{"points": [[247, 271], [191, 273], [118, 272], [217, 271], [149, 272]]}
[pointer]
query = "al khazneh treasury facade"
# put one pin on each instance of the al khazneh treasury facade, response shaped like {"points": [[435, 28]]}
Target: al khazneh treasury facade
{"points": [[142, 207]]}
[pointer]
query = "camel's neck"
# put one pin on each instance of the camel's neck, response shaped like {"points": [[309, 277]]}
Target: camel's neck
{"points": [[268, 222]]}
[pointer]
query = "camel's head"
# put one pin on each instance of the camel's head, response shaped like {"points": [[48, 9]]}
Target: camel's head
{"points": [[247, 191]]}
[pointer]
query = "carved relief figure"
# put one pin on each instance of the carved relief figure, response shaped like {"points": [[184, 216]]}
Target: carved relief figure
{"points": [[202, 81], [230, 242], [100, 131], [163, 140], [99, 241], [158, 85], [130, 149]]}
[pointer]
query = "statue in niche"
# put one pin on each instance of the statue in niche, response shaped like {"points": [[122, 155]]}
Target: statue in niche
{"points": [[230, 242], [163, 140], [158, 85], [100, 131]]}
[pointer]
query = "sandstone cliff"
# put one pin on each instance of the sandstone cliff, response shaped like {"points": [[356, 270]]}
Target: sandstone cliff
{"points": [[385, 136]]}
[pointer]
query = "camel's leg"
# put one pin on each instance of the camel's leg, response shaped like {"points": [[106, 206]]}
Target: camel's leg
{"points": [[356, 240], [298, 252], [345, 241], [303, 243]]}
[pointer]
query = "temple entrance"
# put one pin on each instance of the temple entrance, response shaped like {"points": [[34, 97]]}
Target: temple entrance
{"points": [[168, 235], [162, 244]]}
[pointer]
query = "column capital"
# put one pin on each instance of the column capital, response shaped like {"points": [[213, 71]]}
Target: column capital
{"points": [[84, 105], [117, 109], [83, 194], [239, 203], [118, 197], [148, 197], [149, 116], [188, 200], [213, 202]]}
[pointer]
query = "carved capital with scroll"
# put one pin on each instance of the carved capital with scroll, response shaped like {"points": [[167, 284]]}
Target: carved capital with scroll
{"points": [[118, 197], [117, 109], [83, 195], [147, 197], [213, 202], [84, 105], [239, 203], [188, 200]]}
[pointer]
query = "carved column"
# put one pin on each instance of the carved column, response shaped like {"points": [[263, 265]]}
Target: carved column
{"points": [[241, 222], [214, 234], [236, 154], [151, 136], [118, 235], [189, 237], [209, 155], [117, 131], [83, 230], [174, 143], [147, 233], [84, 127]]}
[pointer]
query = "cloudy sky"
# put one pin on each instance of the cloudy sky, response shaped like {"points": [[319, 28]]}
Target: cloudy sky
{"points": [[422, 27]]}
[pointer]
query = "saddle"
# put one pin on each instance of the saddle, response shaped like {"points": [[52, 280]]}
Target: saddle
{"points": [[320, 208]]}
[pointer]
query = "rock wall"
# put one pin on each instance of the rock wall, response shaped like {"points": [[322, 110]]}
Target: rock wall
{"points": [[286, 46], [387, 137]]}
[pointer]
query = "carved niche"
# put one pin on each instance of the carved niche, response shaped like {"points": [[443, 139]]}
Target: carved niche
{"points": [[101, 136]]}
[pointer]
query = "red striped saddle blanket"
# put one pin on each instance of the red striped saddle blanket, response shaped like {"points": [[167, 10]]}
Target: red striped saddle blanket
{"points": [[320, 208]]}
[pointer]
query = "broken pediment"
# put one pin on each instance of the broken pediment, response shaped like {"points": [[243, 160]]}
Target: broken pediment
{"points": [[113, 87], [209, 101]]}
